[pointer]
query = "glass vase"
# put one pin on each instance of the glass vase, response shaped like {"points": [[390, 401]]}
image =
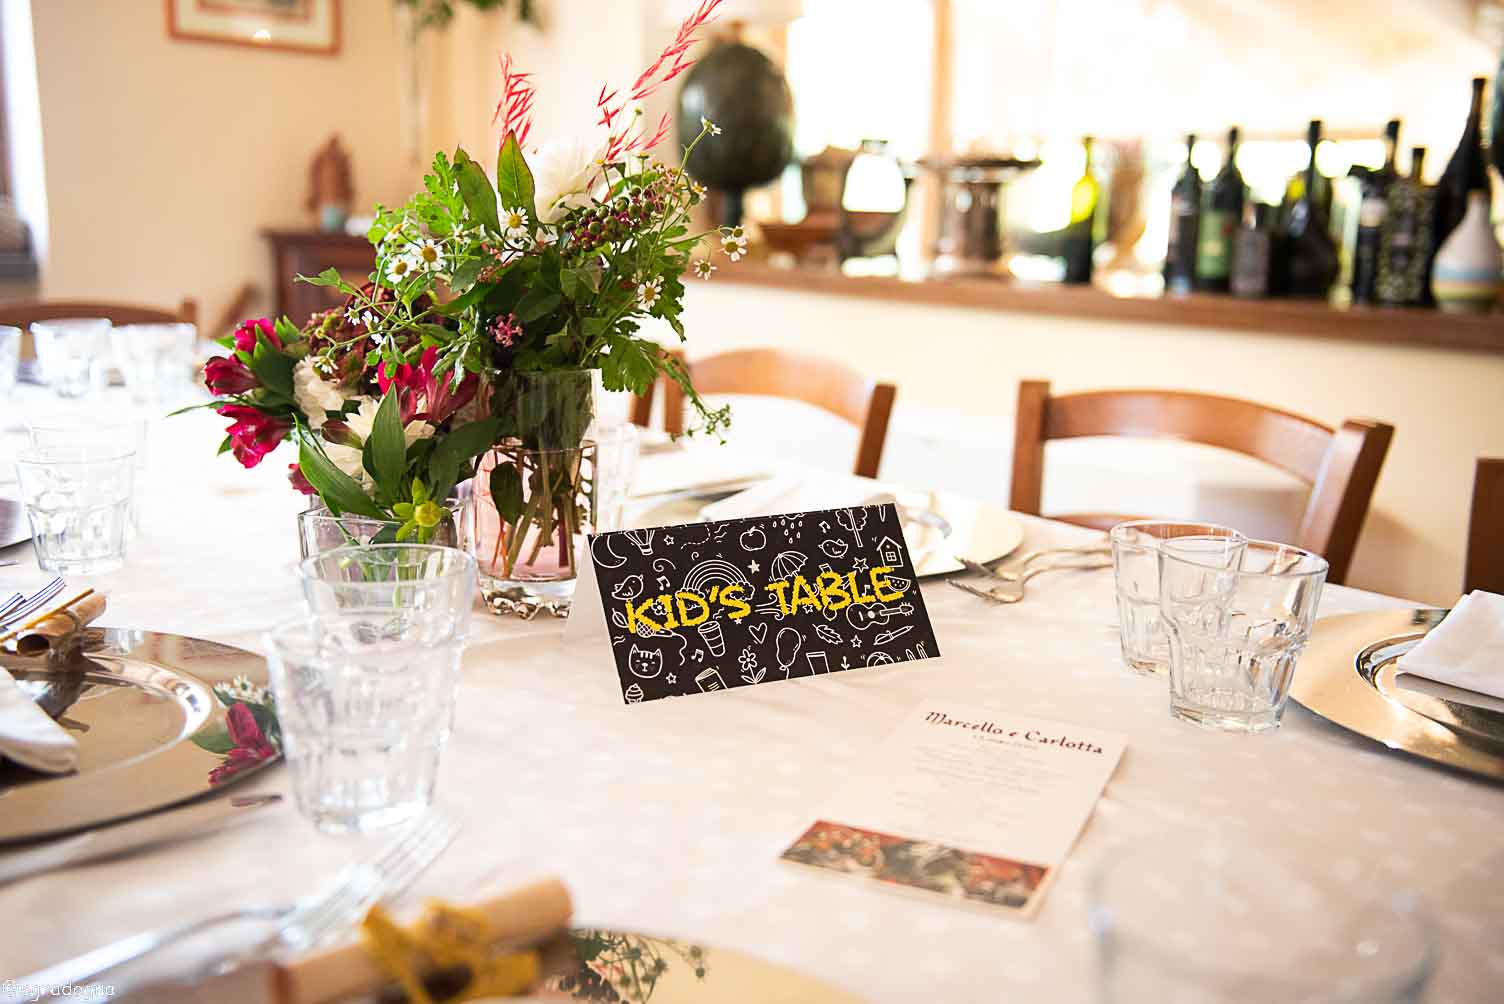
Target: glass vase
{"points": [[319, 530]]}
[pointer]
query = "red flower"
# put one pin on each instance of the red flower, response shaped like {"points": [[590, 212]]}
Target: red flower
{"points": [[253, 434], [295, 475], [423, 395], [228, 375], [245, 335], [251, 747]]}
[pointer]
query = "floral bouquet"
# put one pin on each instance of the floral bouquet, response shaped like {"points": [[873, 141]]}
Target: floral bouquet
{"points": [[475, 345]]}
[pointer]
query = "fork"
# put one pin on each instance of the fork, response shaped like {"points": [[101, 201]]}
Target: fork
{"points": [[1021, 580], [301, 924]]}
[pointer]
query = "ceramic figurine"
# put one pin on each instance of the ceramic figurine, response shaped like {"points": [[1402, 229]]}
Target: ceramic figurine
{"points": [[331, 187]]}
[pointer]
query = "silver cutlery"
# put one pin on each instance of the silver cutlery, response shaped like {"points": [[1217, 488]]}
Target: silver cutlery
{"points": [[7, 562], [18, 605], [130, 837], [300, 924], [997, 596], [985, 567]]}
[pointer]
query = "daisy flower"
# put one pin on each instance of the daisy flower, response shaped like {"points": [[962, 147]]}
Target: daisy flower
{"points": [[649, 292], [401, 267], [428, 256], [702, 269], [709, 126], [514, 225], [734, 243]]}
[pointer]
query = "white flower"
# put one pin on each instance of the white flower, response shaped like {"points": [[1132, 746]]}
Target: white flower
{"points": [[545, 237], [709, 126], [428, 256], [562, 174], [702, 269], [514, 225], [401, 267], [649, 292], [350, 459], [734, 245], [315, 396]]}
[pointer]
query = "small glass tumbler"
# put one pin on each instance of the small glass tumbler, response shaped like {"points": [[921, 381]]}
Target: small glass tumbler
{"points": [[1199, 921], [365, 705], [1135, 562], [156, 360], [72, 354], [617, 449], [10, 360], [420, 583], [320, 530], [93, 429], [78, 501], [1236, 633]]}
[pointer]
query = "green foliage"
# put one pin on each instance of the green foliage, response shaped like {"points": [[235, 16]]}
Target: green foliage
{"points": [[476, 190], [387, 448], [340, 492], [514, 179], [506, 491]]}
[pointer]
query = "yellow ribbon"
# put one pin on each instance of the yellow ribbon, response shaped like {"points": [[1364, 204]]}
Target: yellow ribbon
{"points": [[447, 938]]}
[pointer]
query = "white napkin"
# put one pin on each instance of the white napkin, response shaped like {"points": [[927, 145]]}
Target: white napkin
{"points": [[28, 736], [1466, 649], [802, 493]]}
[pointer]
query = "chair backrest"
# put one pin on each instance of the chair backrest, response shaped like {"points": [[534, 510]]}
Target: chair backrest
{"points": [[823, 383], [21, 314], [1341, 466], [1485, 536]]}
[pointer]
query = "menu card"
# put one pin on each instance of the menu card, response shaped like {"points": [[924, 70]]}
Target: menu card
{"points": [[976, 805]]}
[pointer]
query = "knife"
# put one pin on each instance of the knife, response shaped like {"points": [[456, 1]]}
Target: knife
{"points": [[129, 837]]}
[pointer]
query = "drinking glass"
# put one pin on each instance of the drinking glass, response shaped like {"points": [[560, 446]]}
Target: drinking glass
{"points": [[617, 449], [1214, 924], [1236, 633], [420, 583], [71, 353], [156, 360], [10, 360], [78, 501], [1135, 562], [365, 704], [92, 429], [320, 530]]}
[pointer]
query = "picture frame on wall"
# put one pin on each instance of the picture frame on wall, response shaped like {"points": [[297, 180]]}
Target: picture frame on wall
{"points": [[311, 26]]}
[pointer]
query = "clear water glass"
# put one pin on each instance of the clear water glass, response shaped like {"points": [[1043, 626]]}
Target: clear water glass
{"points": [[417, 583], [617, 450], [78, 502], [156, 360], [93, 429], [10, 360], [1200, 922], [1236, 633], [365, 705], [320, 530], [1135, 562], [72, 354]]}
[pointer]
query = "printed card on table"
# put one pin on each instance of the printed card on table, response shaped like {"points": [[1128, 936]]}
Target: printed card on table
{"points": [[712, 606], [974, 805]]}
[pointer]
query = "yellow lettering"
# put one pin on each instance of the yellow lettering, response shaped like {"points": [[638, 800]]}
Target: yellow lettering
{"points": [[685, 618], [635, 615], [778, 589], [668, 612], [739, 608], [830, 586], [882, 587], [807, 598], [857, 596]]}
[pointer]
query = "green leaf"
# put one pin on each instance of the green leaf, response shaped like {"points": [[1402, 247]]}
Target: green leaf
{"points": [[514, 179], [329, 277], [340, 492], [569, 283], [458, 448], [388, 446], [465, 274], [506, 492], [476, 190], [213, 739], [224, 446], [272, 368], [539, 302], [285, 331]]}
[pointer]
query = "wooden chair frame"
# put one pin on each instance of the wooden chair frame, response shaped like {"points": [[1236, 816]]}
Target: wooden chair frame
{"points": [[1485, 538], [824, 383], [21, 314], [1341, 466]]}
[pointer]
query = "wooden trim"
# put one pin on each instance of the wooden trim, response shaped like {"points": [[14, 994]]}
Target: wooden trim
{"points": [[1485, 542], [1341, 494], [1373, 325], [1027, 485]]}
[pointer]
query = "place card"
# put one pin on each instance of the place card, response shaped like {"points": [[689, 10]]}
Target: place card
{"points": [[967, 803], [702, 607]]}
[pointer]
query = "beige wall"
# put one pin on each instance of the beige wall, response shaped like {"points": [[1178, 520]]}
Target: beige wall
{"points": [[1447, 407], [164, 158]]}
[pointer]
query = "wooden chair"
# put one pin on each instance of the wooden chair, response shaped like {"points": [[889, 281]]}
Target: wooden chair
{"points": [[1485, 537], [22, 313], [1341, 466], [824, 383]]}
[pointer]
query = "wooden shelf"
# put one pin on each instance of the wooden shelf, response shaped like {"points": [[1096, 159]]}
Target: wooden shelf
{"points": [[1375, 325]]}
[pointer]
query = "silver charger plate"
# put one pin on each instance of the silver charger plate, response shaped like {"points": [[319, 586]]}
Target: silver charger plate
{"points": [[1348, 676], [159, 719]]}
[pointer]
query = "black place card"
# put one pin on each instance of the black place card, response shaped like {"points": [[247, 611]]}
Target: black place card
{"points": [[701, 607]]}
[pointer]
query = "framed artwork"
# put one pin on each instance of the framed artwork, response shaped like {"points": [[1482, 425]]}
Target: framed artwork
{"points": [[297, 25]]}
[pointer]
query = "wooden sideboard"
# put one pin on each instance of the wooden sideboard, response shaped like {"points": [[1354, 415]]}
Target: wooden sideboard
{"points": [[309, 252]]}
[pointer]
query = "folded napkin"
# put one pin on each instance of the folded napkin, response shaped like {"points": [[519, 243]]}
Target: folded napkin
{"points": [[1466, 649], [40, 637], [802, 493], [28, 736]]}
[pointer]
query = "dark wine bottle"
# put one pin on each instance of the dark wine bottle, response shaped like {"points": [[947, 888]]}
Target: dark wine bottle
{"points": [[1307, 259], [1405, 238], [1371, 210], [1253, 251], [1467, 171], [1185, 225], [1221, 213], [1086, 196]]}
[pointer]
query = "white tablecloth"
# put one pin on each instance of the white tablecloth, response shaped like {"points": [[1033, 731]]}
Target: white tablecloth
{"points": [[668, 817]]}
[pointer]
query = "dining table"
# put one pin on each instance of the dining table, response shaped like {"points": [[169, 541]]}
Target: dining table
{"points": [[669, 816]]}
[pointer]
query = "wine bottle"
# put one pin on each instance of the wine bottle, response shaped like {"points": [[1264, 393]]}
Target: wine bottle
{"points": [[1405, 238], [1252, 251], [1086, 195], [1308, 263], [1374, 203], [1221, 213], [1185, 226], [1467, 171]]}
